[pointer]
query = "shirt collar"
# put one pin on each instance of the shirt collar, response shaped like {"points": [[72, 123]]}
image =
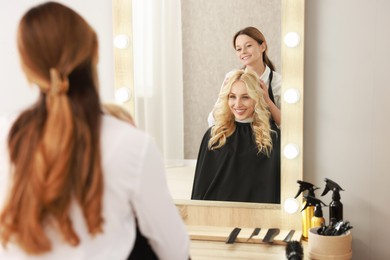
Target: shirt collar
{"points": [[265, 76], [246, 120]]}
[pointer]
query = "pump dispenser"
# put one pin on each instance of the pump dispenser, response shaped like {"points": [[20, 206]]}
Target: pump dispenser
{"points": [[318, 218], [335, 207], [307, 209]]}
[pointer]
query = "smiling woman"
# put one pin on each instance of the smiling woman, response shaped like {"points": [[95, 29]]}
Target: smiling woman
{"points": [[239, 158], [202, 79], [208, 53]]}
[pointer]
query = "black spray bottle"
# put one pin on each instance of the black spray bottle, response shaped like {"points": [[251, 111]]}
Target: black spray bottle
{"points": [[335, 206], [307, 209], [318, 219]]}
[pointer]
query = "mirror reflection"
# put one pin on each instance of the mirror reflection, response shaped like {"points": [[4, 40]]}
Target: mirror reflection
{"points": [[208, 54], [188, 61], [175, 95], [239, 158]]}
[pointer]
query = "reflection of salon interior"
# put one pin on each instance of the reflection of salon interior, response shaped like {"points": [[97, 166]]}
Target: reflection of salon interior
{"points": [[180, 180], [335, 102]]}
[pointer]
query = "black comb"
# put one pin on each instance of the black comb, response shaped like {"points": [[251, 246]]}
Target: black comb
{"points": [[271, 233], [233, 235], [289, 236], [255, 232]]}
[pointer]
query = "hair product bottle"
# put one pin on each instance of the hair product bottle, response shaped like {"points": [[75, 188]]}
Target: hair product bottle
{"points": [[318, 219], [307, 208], [335, 206]]}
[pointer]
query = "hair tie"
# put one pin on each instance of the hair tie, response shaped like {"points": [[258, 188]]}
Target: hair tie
{"points": [[58, 86]]}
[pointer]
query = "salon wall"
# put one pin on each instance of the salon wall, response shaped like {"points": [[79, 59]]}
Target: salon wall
{"points": [[15, 92], [347, 113]]}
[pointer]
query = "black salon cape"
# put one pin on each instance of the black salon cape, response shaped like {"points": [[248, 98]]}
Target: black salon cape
{"points": [[236, 171]]}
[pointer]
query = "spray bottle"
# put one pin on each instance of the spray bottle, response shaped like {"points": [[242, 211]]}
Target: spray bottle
{"points": [[335, 207], [318, 218], [307, 210]]}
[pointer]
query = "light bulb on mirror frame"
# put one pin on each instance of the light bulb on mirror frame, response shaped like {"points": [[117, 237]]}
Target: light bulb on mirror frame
{"points": [[121, 41], [122, 95], [291, 95], [291, 151], [292, 39], [291, 205]]}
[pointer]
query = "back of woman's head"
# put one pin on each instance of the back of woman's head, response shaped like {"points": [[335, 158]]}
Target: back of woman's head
{"points": [[53, 36], [224, 118], [54, 146], [258, 36]]}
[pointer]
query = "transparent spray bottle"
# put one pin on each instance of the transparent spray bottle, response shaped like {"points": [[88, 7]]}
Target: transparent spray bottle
{"points": [[307, 209]]}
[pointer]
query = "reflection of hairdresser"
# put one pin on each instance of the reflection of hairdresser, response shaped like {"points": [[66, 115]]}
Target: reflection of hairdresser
{"points": [[75, 182], [239, 157], [251, 49]]}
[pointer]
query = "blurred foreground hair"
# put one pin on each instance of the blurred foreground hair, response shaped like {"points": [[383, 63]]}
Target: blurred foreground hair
{"points": [[54, 146], [119, 112]]}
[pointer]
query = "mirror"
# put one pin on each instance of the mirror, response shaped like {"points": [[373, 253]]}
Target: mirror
{"points": [[198, 212]]}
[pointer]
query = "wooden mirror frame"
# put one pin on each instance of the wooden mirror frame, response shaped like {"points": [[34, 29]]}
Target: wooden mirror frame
{"points": [[232, 214]]}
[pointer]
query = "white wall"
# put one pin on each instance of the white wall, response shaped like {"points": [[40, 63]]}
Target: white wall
{"points": [[347, 50], [15, 92], [347, 126]]}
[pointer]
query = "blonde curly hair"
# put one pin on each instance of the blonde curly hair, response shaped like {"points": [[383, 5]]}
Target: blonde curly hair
{"points": [[225, 120]]}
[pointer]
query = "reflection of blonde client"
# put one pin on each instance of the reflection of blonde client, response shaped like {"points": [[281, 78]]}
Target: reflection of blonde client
{"points": [[239, 157]]}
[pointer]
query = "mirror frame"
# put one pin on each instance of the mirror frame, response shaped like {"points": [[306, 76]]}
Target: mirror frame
{"points": [[233, 214]]}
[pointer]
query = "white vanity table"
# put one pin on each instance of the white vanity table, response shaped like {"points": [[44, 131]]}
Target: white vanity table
{"points": [[210, 223]]}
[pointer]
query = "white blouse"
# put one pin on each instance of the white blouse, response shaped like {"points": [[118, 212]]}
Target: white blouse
{"points": [[134, 187]]}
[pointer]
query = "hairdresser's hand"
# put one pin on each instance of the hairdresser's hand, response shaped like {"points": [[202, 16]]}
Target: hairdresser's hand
{"points": [[264, 87], [275, 111]]}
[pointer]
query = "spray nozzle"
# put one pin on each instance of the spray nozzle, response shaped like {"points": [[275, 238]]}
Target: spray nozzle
{"points": [[303, 186], [331, 185], [313, 201]]}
